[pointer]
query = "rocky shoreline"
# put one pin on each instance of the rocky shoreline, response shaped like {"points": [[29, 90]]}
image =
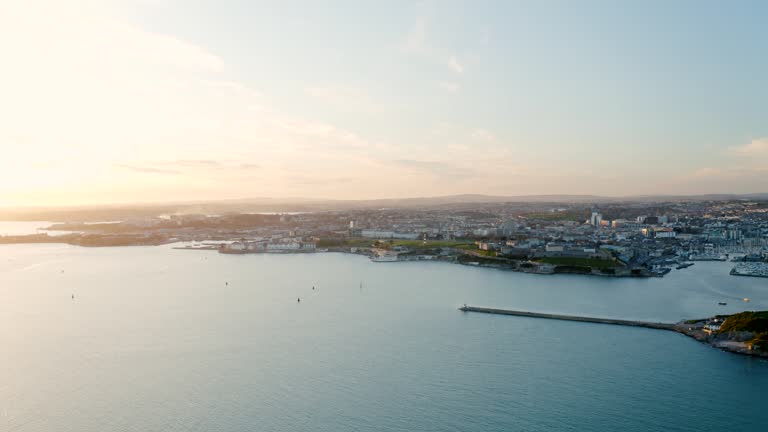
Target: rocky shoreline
{"points": [[732, 342]]}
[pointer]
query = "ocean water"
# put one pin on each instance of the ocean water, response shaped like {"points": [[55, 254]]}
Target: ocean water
{"points": [[14, 228], [158, 339], [22, 227]]}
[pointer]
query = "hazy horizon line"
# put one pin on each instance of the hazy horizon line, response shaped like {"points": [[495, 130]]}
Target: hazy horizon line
{"points": [[305, 200]]}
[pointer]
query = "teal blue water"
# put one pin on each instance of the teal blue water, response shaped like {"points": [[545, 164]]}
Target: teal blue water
{"points": [[155, 340]]}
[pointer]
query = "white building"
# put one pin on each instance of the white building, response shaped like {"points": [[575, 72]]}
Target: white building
{"points": [[659, 232], [554, 247], [287, 246], [238, 246], [665, 234], [596, 219]]}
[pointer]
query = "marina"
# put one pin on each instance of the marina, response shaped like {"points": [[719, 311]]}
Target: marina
{"points": [[754, 269]]}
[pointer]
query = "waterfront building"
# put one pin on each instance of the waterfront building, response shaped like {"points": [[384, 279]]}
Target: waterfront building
{"points": [[238, 246], [554, 247]]}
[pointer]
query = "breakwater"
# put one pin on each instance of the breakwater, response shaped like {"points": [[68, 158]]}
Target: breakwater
{"points": [[645, 324]]}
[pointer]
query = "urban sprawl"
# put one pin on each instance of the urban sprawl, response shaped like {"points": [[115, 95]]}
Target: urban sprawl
{"points": [[610, 239]]}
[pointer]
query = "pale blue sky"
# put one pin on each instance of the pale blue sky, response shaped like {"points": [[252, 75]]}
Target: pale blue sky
{"points": [[357, 99]]}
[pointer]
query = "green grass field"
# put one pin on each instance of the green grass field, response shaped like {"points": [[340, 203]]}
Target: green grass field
{"points": [[747, 321], [580, 262], [431, 243]]}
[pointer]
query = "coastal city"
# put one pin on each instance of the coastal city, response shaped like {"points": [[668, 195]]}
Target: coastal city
{"points": [[380, 216], [633, 239]]}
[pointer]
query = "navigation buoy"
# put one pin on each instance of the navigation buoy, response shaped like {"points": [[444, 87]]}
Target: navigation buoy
{"points": [[298, 300]]}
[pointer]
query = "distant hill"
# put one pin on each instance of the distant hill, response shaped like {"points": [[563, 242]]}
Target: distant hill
{"points": [[756, 322], [267, 204], [481, 199]]}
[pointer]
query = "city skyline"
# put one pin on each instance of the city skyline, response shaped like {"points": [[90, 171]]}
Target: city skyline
{"points": [[162, 100]]}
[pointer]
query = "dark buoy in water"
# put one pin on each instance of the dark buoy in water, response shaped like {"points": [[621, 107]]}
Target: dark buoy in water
{"points": [[73, 296], [298, 300], [313, 287], [226, 283]]}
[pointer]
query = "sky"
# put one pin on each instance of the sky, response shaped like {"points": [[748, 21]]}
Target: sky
{"points": [[173, 100]]}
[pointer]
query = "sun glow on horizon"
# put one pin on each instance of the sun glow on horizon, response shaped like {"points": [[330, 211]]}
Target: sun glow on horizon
{"points": [[114, 102]]}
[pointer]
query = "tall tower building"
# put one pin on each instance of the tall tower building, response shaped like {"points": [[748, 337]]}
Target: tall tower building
{"points": [[595, 219]]}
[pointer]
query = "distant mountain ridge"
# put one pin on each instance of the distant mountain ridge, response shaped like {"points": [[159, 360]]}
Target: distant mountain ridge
{"points": [[481, 198]]}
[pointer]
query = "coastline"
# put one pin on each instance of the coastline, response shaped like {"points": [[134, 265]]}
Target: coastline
{"points": [[468, 258], [699, 330], [721, 342], [736, 344]]}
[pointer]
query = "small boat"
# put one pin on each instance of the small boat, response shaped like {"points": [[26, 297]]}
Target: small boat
{"points": [[746, 300], [722, 303]]}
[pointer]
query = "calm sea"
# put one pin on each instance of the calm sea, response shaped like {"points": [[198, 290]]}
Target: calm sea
{"points": [[16, 228], [158, 339], [13, 228]]}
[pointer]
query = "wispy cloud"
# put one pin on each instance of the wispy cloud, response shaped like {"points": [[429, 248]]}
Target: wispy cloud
{"points": [[344, 96], [449, 86], [308, 180], [454, 64], [187, 165], [746, 163], [163, 47], [754, 148], [727, 173], [196, 163], [417, 43], [416, 39], [436, 168], [483, 135], [148, 169]]}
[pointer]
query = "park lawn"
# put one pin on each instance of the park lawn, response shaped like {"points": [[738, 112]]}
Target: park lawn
{"points": [[431, 243], [580, 262], [467, 246]]}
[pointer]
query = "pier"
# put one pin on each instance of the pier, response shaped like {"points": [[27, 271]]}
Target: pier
{"points": [[645, 324]]}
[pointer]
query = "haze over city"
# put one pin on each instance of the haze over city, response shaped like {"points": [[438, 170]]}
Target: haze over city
{"points": [[129, 101]]}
